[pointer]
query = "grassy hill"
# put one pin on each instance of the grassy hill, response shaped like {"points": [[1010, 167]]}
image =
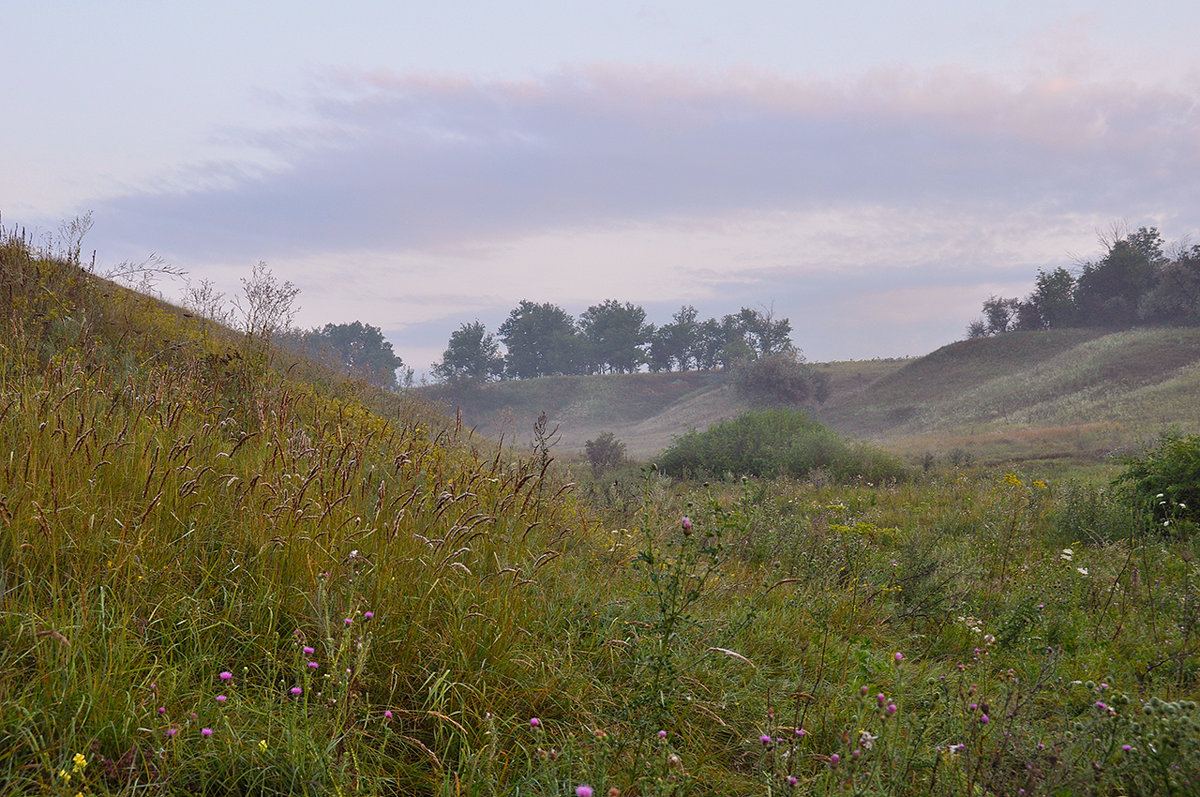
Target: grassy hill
{"points": [[224, 570], [1071, 393]]}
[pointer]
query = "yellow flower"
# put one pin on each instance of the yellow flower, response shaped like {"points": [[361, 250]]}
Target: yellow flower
{"points": [[80, 762], [66, 776], [262, 745]]}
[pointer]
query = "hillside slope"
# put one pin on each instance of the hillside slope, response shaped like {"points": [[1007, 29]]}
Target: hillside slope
{"points": [[1078, 393]]}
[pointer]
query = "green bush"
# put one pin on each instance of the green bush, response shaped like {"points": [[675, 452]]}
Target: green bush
{"points": [[1164, 481], [605, 451], [782, 379], [776, 442]]}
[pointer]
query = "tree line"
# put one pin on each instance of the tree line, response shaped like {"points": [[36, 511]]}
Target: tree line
{"points": [[1135, 282], [610, 337]]}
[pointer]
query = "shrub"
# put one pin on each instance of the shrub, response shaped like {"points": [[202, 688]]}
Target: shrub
{"points": [[605, 451], [781, 379], [776, 442], [1164, 480]]}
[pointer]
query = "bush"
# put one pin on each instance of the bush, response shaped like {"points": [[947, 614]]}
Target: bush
{"points": [[782, 379], [776, 442], [605, 451], [1164, 481]]}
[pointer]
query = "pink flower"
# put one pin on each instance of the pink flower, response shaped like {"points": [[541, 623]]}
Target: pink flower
{"points": [[225, 676], [985, 719], [834, 759], [899, 657], [312, 665], [583, 791], [308, 651], [534, 722], [891, 708], [221, 698], [387, 715], [662, 734], [347, 621], [368, 615], [686, 523], [297, 691], [171, 731], [206, 732]]}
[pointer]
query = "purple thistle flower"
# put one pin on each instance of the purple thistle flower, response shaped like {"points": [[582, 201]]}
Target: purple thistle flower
{"points": [[171, 731], [348, 621], [686, 523], [387, 715], [206, 732], [297, 691], [583, 791], [162, 709], [225, 676], [834, 759], [221, 698], [534, 722], [891, 708], [985, 719], [368, 615], [662, 734], [765, 739], [308, 651], [312, 665], [899, 657]]}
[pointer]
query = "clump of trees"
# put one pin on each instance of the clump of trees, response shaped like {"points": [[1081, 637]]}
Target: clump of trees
{"points": [[610, 337], [1135, 282]]}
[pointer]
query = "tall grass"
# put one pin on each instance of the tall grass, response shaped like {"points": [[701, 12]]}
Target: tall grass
{"points": [[351, 596]]}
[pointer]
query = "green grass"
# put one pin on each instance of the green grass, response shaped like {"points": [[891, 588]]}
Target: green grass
{"points": [[176, 504]]}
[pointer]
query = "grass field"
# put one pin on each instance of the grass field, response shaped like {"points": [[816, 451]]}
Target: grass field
{"points": [[227, 572]]}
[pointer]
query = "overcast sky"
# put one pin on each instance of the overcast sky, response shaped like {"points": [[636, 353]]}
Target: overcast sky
{"points": [[871, 170]]}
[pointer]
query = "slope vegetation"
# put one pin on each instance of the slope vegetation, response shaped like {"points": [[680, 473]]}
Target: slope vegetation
{"points": [[1076, 393]]}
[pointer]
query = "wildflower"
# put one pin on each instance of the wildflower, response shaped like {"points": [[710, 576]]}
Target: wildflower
{"points": [[891, 709], [368, 615], [792, 780], [221, 698], [662, 734], [347, 621], [1082, 570], [162, 710], [687, 524], [296, 691], [834, 759], [262, 745], [880, 698], [225, 676], [899, 657], [172, 731], [985, 719], [866, 740], [206, 732], [308, 651], [80, 761], [312, 665], [534, 722], [583, 791], [1067, 555], [387, 715], [765, 739], [856, 753]]}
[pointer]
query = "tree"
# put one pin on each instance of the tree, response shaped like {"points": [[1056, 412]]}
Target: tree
{"points": [[473, 356], [604, 452], [1054, 297], [542, 340], [615, 334], [360, 349], [765, 334], [1108, 291], [999, 314]]}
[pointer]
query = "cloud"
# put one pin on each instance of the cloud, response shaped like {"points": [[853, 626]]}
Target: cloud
{"points": [[430, 162]]}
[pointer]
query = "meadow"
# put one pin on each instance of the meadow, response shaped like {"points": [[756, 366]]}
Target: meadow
{"points": [[224, 571]]}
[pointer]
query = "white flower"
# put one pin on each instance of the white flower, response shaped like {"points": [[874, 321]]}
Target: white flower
{"points": [[1082, 570], [865, 740], [1067, 555]]}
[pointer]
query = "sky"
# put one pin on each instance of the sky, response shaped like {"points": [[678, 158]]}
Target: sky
{"points": [[872, 171]]}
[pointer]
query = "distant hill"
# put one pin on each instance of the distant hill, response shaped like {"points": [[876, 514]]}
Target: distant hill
{"points": [[1070, 393]]}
